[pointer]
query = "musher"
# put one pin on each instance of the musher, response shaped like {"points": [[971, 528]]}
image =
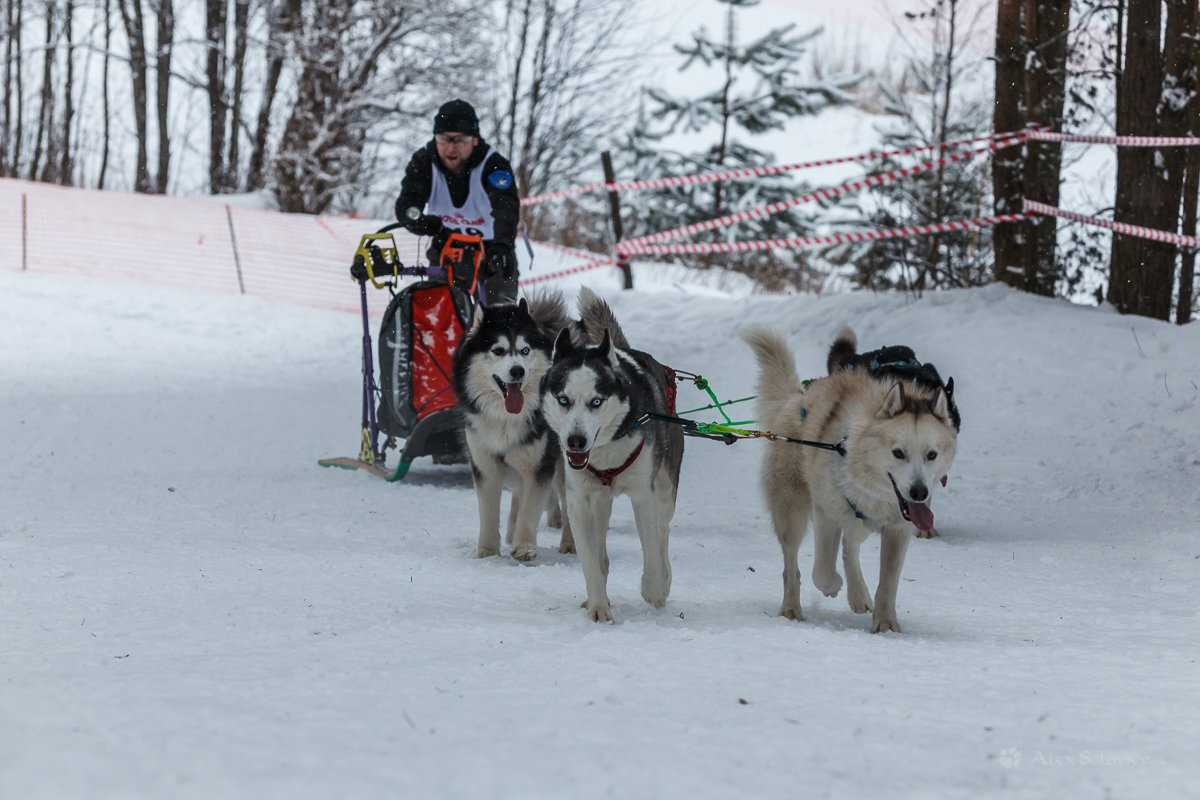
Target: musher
{"points": [[457, 182]]}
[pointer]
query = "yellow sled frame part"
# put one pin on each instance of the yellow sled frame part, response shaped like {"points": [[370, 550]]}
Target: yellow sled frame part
{"points": [[391, 257]]}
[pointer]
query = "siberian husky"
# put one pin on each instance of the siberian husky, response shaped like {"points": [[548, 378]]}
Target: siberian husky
{"points": [[497, 369], [897, 439], [594, 397]]}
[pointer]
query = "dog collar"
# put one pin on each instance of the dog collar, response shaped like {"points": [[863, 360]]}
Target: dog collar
{"points": [[606, 476]]}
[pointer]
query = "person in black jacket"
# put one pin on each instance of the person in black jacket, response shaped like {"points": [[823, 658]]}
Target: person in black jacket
{"points": [[457, 182]]}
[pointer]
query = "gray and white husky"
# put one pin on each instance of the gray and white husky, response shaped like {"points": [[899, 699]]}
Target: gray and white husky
{"points": [[497, 370], [898, 439], [594, 398]]}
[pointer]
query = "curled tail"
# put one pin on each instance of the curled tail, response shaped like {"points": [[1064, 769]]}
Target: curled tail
{"points": [[595, 316], [549, 310], [777, 377], [842, 351]]}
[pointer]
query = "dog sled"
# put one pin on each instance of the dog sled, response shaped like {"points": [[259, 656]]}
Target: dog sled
{"points": [[412, 408]]}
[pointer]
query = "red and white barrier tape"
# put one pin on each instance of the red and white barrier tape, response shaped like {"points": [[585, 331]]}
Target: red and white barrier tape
{"points": [[1120, 141], [593, 264], [833, 238], [629, 245], [749, 172], [711, 177], [1033, 207], [570, 251], [542, 198], [786, 244]]}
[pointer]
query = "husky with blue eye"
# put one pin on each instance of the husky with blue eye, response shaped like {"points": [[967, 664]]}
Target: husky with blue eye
{"points": [[896, 434], [498, 367], [594, 397]]}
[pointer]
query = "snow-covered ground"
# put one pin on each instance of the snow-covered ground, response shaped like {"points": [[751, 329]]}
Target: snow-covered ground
{"points": [[193, 609]]}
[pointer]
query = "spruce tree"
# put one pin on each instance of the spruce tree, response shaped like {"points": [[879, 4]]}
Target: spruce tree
{"points": [[754, 88]]}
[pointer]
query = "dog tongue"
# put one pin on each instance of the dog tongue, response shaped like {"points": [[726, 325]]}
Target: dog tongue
{"points": [[514, 401], [920, 515]]}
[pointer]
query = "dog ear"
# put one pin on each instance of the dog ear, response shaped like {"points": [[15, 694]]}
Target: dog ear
{"points": [[476, 320], [941, 403], [894, 403], [523, 310], [562, 345], [950, 388], [605, 346]]}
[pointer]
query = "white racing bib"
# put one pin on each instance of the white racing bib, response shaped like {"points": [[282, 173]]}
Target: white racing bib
{"points": [[475, 215]]}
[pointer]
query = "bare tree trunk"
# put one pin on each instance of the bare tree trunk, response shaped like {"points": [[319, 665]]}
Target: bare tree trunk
{"points": [[1191, 188], [515, 95], [1031, 52], [46, 112], [104, 94], [11, 35], [135, 33], [66, 167], [241, 19], [162, 74], [1047, 79], [539, 74], [215, 31], [1009, 115], [726, 111], [282, 19], [1153, 100], [1187, 265]]}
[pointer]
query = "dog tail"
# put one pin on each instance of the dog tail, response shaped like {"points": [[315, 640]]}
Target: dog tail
{"points": [[777, 377], [842, 351], [548, 309], [595, 315]]}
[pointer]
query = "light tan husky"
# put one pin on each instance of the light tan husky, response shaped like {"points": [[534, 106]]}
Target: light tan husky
{"points": [[897, 441]]}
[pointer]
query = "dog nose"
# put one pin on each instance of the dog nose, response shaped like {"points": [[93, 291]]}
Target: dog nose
{"points": [[576, 442], [919, 492], [517, 372]]}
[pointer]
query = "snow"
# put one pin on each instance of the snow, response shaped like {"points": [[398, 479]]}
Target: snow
{"points": [[194, 609]]}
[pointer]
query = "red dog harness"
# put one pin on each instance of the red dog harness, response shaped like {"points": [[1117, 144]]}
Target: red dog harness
{"points": [[606, 476]]}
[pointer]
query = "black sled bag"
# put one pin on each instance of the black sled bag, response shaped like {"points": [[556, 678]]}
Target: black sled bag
{"points": [[421, 329]]}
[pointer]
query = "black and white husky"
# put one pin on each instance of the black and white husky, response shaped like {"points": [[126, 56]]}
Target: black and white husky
{"points": [[594, 398], [497, 369]]}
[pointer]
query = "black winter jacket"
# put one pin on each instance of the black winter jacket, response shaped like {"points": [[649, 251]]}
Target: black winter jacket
{"points": [[417, 185]]}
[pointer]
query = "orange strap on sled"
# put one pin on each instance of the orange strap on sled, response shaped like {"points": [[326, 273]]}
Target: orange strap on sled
{"points": [[455, 253]]}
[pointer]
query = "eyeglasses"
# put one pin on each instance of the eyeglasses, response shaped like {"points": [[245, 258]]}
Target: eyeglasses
{"points": [[445, 138]]}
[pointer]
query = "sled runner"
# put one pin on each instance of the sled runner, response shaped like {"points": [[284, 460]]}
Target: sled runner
{"points": [[412, 408]]}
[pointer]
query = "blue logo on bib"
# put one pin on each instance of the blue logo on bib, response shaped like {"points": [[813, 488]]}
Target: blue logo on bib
{"points": [[501, 179]]}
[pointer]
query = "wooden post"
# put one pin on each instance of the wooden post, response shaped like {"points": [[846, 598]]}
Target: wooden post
{"points": [[614, 208]]}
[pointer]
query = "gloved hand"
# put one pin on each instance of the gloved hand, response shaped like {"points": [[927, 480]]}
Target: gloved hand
{"points": [[358, 270], [500, 261], [422, 224]]}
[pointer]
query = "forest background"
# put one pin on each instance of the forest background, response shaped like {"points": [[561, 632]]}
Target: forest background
{"points": [[314, 106]]}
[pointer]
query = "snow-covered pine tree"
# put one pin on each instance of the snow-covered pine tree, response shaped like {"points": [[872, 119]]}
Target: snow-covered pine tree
{"points": [[940, 97], [755, 88]]}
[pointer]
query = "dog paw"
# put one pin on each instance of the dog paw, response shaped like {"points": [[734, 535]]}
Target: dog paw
{"points": [[554, 519], [566, 547], [860, 602], [883, 625], [829, 584], [932, 533], [599, 612], [487, 552], [524, 552], [655, 597], [792, 612], [655, 588]]}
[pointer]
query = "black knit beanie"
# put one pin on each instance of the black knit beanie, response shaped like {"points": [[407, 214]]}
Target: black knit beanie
{"points": [[457, 116]]}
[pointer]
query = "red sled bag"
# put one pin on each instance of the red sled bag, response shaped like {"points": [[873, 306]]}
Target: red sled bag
{"points": [[418, 336]]}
